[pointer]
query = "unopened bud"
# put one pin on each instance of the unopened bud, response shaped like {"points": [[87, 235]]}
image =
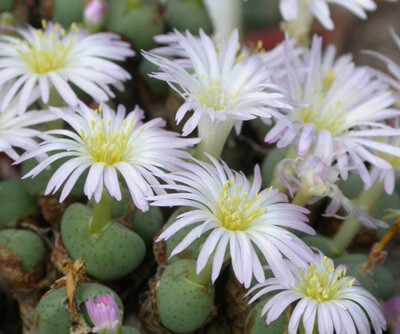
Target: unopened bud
{"points": [[104, 314], [94, 14]]}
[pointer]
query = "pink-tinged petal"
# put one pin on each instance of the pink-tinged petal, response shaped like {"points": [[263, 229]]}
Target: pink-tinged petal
{"points": [[305, 139]]}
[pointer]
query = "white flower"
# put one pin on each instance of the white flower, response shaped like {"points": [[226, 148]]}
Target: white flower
{"points": [[316, 179], [327, 298], [109, 143], [51, 57], [221, 87], [238, 214], [291, 9], [343, 110], [15, 128], [274, 59], [388, 176], [391, 65]]}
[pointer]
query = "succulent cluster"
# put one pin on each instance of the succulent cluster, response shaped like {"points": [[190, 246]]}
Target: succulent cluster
{"points": [[112, 113]]}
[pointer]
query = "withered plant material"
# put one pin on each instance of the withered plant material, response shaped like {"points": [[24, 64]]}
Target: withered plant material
{"points": [[76, 270], [11, 269], [51, 208], [59, 256], [237, 307], [149, 312]]}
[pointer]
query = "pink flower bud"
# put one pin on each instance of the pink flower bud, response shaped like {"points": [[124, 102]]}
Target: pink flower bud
{"points": [[94, 14], [104, 314], [391, 310]]}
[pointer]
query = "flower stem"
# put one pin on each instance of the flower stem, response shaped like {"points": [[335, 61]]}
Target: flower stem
{"points": [[302, 196], [101, 213], [300, 28], [351, 226], [213, 136]]}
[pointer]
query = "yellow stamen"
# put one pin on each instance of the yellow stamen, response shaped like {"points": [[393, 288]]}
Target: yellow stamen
{"points": [[332, 119], [319, 285], [214, 96], [105, 144], [48, 52], [236, 209], [328, 80]]}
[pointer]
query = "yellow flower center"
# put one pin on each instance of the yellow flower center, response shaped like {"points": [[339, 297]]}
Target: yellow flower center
{"points": [[48, 52], [105, 144], [321, 286], [215, 97], [332, 119], [393, 160], [236, 209], [328, 80]]}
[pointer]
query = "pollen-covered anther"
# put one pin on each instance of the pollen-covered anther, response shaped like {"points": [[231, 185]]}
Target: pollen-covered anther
{"points": [[106, 144], [48, 52], [320, 285], [332, 119], [237, 209]]}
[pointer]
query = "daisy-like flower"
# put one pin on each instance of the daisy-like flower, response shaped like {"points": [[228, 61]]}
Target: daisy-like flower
{"points": [[53, 58], [327, 298], [392, 66], [238, 214], [297, 9], [109, 143], [221, 86], [314, 179], [344, 107], [15, 129], [104, 314], [274, 59], [388, 176]]}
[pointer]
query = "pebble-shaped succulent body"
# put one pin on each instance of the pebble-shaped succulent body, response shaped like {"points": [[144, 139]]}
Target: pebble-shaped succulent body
{"points": [[52, 315], [147, 224], [255, 324], [179, 15], [270, 162], [324, 244], [26, 244], [111, 254], [137, 23], [183, 306], [15, 202], [192, 251], [156, 86], [38, 184], [379, 282], [129, 330], [67, 12]]}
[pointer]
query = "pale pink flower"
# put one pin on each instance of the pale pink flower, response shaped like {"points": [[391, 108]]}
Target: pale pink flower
{"points": [[104, 314]]}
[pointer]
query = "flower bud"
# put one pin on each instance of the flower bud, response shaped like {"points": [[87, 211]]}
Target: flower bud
{"points": [[94, 14], [104, 314]]}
